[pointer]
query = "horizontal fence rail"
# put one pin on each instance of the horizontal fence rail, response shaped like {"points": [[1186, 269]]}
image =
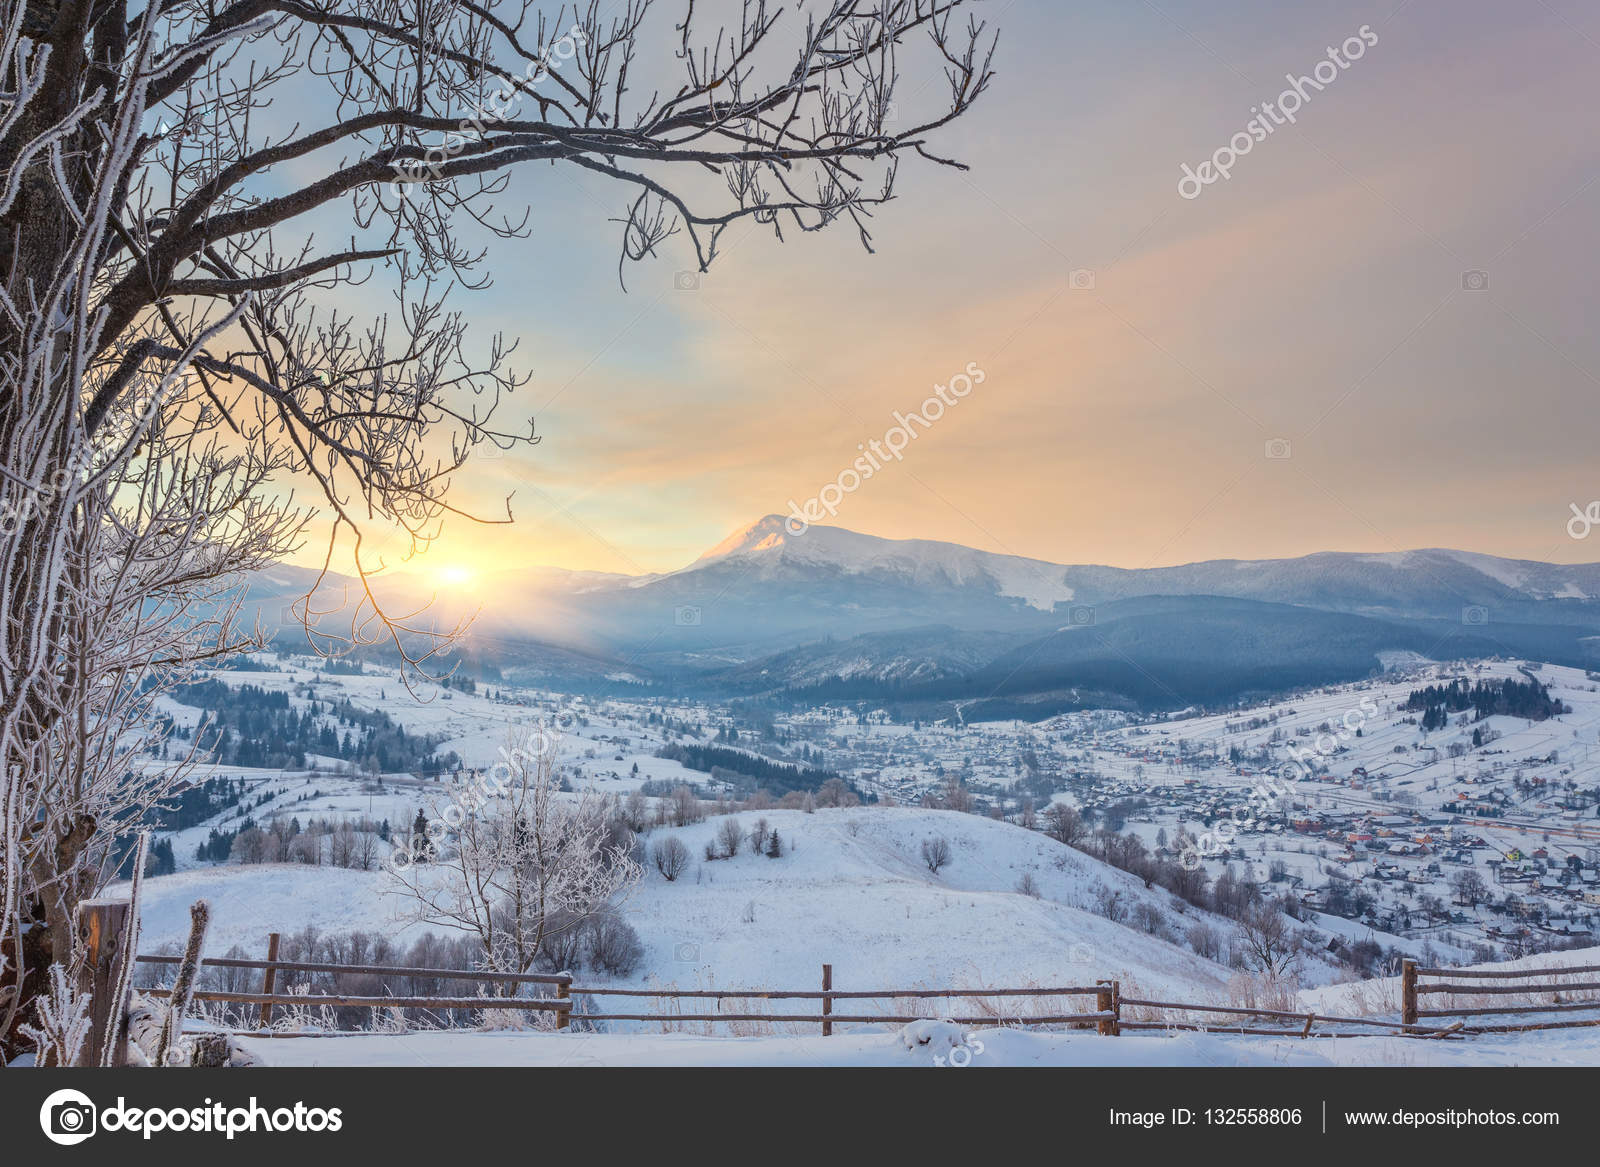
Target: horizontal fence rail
{"points": [[523, 1003], [831, 994], [1501, 974], [1542, 984], [446, 974]]}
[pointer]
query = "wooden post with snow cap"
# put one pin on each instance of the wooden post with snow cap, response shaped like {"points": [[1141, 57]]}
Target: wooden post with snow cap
{"points": [[1105, 1001], [102, 925], [1408, 992], [827, 1002], [269, 979], [564, 993]]}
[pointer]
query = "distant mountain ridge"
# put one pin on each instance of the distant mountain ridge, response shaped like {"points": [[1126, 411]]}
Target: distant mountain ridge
{"points": [[828, 609]]}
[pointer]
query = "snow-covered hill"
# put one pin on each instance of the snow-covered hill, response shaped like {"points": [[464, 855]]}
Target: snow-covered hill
{"points": [[851, 890]]}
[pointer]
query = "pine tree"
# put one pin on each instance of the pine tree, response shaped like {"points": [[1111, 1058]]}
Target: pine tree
{"points": [[774, 846], [419, 837]]}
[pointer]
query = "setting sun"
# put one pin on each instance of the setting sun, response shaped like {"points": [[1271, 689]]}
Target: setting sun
{"points": [[455, 575]]}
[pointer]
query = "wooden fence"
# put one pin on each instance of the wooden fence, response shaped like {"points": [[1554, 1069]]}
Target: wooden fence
{"points": [[1534, 1013], [1111, 1013], [560, 1005]]}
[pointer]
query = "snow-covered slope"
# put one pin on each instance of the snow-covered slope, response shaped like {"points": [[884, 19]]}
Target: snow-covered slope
{"points": [[851, 890]]}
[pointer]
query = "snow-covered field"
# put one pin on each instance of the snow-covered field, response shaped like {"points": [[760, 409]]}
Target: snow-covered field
{"points": [[983, 1049]]}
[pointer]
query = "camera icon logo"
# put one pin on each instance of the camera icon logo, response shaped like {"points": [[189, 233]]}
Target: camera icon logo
{"points": [[1475, 281], [1080, 615], [1475, 615], [1279, 449], [67, 1117], [686, 952], [686, 616], [687, 281], [1081, 279]]}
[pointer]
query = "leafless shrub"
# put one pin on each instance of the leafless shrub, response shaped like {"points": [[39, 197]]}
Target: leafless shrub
{"points": [[1267, 940], [1205, 941], [671, 857], [1064, 825], [684, 808], [1150, 919], [613, 946], [1110, 903], [935, 853]]}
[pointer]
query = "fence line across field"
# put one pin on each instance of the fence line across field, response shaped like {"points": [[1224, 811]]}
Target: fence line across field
{"points": [[1107, 1016]]}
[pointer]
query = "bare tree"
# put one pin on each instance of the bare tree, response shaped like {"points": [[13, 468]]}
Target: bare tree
{"points": [[1268, 940], [671, 857], [174, 360], [955, 795], [730, 837], [685, 807], [935, 852], [1469, 887], [526, 863], [1063, 824]]}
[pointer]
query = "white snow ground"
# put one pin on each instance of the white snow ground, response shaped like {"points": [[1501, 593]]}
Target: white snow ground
{"points": [[999, 1048]]}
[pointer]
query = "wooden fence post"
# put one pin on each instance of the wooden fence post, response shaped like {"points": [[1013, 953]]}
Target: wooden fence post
{"points": [[269, 979], [564, 993], [1106, 1001], [102, 925], [827, 1002], [1408, 992]]}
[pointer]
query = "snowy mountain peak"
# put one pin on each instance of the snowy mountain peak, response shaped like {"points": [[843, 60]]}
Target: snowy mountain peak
{"points": [[922, 562], [765, 534]]}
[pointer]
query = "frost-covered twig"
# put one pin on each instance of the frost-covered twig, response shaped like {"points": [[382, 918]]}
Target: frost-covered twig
{"points": [[63, 1022], [183, 985]]}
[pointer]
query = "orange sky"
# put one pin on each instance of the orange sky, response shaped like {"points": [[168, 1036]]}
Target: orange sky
{"points": [[1316, 297]]}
